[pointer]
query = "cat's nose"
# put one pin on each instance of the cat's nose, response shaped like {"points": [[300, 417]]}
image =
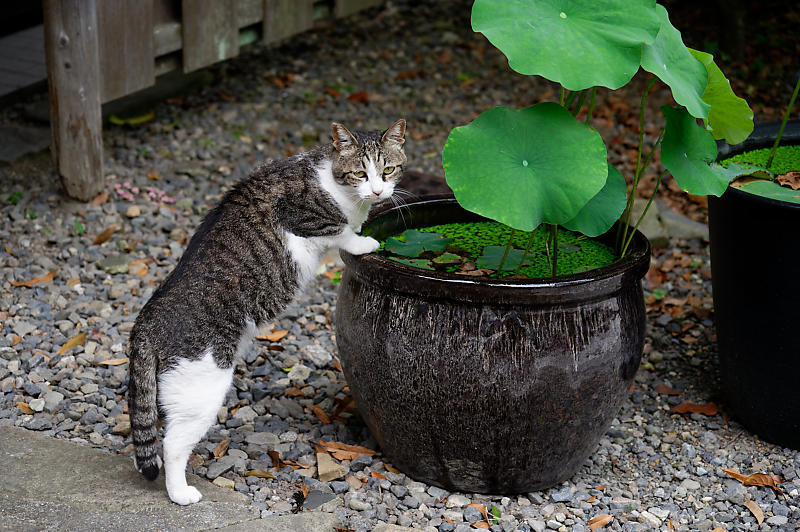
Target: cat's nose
{"points": [[377, 189]]}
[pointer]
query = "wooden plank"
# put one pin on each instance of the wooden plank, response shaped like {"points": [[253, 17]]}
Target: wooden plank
{"points": [[125, 37], [167, 38], [73, 73], [284, 18], [249, 12], [209, 32], [344, 8]]}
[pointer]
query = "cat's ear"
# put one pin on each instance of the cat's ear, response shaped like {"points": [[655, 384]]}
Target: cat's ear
{"points": [[342, 138], [395, 133]]}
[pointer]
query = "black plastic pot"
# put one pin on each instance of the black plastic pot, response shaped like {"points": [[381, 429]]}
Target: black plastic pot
{"points": [[755, 267], [486, 385]]}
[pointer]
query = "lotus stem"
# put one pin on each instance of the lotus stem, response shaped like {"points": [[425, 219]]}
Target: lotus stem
{"points": [[581, 101], [508, 250], [783, 124], [591, 106], [644, 212], [554, 263], [563, 96], [525, 253]]}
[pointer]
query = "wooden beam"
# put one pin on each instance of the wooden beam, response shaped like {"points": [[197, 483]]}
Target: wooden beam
{"points": [[125, 35], [210, 33], [73, 74], [284, 18]]}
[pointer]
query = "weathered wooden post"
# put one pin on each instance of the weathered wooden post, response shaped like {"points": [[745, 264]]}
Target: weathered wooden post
{"points": [[73, 75]]}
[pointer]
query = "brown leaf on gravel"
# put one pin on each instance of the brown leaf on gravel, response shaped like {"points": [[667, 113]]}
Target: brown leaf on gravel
{"points": [[599, 521], [48, 277], [138, 267], [377, 475], [337, 365], [274, 336], [411, 74], [755, 509], [105, 235], [482, 525], [221, 448], [707, 409], [332, 92], [24, 408], [100, 199], [75, 341], [259, 473], [757, 479], [294, 392], [391, 469], [342, 451], [15, 339], [196, 460], [320, 413], [670, 525], [655, 277], [359, 97], [663, 389], [115, 361], [789, 179]]}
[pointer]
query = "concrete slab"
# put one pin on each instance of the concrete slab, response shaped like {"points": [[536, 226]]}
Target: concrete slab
{"points": [[17, 141], [59, 485]]}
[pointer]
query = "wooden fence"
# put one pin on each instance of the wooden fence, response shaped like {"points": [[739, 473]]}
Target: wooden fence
{"points": [[100, 50]]}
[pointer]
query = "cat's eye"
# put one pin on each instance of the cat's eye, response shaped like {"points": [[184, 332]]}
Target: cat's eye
{"points": [[359, 174], [388, 170]]}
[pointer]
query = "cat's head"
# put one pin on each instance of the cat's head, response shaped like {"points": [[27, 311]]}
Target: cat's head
{"points": [[371, 163]]}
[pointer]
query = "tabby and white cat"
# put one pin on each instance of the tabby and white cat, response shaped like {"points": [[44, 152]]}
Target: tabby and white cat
{"points": [[250, 257]]}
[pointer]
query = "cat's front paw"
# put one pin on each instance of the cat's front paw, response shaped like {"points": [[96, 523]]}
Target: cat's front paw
{"points": [[361, 245], [185, 495]]}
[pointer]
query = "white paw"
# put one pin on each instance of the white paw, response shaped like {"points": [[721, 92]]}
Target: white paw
{"points": [[361, 245], [185, 495]]}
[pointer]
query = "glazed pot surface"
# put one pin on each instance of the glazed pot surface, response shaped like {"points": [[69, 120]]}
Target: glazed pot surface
{"points": [[755, 265], [492, 386]]}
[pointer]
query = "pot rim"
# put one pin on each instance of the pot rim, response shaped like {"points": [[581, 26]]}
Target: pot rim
{"points": [[398, 277], [763, 136]]}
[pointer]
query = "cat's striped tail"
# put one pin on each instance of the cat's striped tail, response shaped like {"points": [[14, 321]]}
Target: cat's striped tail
{"points": [[143, 409]]}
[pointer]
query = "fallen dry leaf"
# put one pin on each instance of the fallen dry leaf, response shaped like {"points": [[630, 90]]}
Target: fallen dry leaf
{"points": [[274, 336], [115, 361], [757, 479], [320, 413], [591, 499], [483, 525], [24, 408], [599, 520], [790, 180], [411, 74], [196, 460], [46, 278], [670, 524], [663, 389], [359, 97], [105, 235], [391, 469], [601, 487], [708, 409], [153, 176], [755, 509], [260, 473], [100, 199], [377, 475], [294, 392], [337, 365], [221, 448], [332, 92], [138, 267], [342, 451], [75, 341], [15, 339]]}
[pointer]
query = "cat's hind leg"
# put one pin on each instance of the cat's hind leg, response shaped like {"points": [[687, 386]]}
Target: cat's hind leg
{"points": [[190, 396]]}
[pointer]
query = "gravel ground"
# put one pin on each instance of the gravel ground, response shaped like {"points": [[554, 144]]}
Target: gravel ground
{"points": [[652, 470]]}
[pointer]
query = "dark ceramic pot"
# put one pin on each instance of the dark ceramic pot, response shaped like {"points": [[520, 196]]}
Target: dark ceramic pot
{"points": [[487, 386], [755, 267]]}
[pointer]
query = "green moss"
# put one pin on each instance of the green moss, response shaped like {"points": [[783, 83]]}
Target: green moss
{"points": [[577, 253], [787, 158]]}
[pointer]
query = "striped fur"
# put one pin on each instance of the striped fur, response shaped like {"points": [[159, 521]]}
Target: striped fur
{"points": [[246, 262]]}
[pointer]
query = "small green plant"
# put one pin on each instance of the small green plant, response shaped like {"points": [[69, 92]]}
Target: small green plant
{"points": [[78, 227], [31, 214], [14, 198], [541, 165]]}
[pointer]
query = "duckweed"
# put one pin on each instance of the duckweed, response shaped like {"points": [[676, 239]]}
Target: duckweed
{"points": [[577, 253], [787, 158]]}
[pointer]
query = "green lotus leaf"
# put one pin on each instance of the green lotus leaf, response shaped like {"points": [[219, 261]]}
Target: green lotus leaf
{"points": [[669, 59], [730, 117], [413, 243], [417, 263], [772, 190], [527, 167], [597, 216], [687, 151], [736, 170], [493, 255], [573, 42]]}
